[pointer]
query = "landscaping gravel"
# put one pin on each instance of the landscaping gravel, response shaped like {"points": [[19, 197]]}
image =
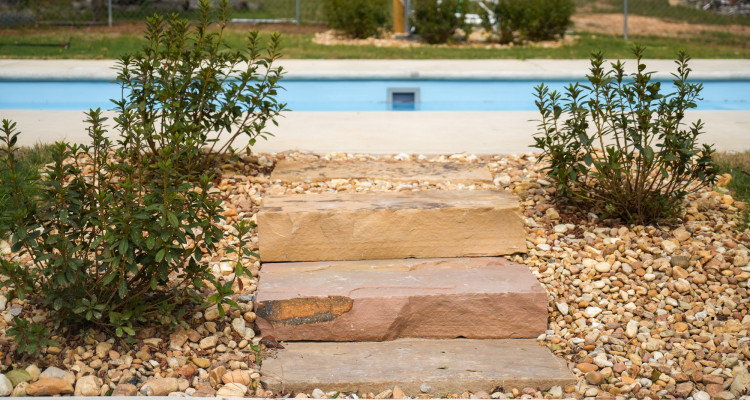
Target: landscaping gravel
{"points": [[636, 311]]}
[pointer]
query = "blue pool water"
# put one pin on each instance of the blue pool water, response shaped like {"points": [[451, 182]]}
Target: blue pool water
{"points": [[357, 95]]}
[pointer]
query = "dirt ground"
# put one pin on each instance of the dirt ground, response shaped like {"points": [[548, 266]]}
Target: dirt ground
{"points": [[642, 25]]}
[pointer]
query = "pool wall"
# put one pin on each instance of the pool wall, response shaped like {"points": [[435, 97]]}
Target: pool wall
{"points": [[426, 132]]}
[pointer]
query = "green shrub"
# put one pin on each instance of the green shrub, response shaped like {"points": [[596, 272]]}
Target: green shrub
{"points": [[29, 338], [509, 17], [535, 20], [358, 18], [547, 19], [436, 21], [619, 146], [29, 161], [121, 231]]}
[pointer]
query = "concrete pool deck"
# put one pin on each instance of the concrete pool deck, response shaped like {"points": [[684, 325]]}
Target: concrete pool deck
{"points": [[425, 132]]}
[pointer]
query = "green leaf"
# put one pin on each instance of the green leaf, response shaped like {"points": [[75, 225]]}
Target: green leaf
{"points": [[173, 219], [122, 290], [108, 278], [123, 247], [17, 376], [160, 254]]}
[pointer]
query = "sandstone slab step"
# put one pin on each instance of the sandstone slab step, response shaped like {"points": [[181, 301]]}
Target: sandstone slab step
{"points": [[387, 225], [487, 297], [446, 366], [399, 171]]}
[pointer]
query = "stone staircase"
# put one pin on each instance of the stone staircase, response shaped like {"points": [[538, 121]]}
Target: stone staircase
{"points": [[375, 290]]}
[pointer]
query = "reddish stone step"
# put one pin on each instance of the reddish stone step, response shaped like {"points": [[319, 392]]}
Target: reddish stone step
{"points": [[390, 225], [387, 299]]}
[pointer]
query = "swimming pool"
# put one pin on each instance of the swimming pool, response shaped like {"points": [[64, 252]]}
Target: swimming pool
{"points": [[358, 95]]}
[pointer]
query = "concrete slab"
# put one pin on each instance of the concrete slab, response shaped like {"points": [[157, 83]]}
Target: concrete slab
{"points": [[395, 69], [389, 225], [388, 132], [478, 298], [324, 170], [446, 366]]}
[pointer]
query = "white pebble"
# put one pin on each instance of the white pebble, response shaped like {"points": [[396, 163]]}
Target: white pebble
{"points": [[603, 267], [592, 312]]}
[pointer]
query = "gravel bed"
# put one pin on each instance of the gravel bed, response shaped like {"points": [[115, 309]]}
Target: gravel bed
{"points": [[636, 311]]}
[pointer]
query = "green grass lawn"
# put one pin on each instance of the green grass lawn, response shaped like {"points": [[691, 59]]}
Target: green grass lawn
{"points": [[738, 166], [103, 43], [87, 45]]}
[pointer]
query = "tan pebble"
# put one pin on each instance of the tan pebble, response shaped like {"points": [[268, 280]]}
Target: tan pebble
{"points": [[49, 387], [232, 390], [594, 377], [201, 362], [586, 367], [679, 273], [242, 377], [125, 389], [215, 375], [724, 180], [682, 286], [398, 393]]}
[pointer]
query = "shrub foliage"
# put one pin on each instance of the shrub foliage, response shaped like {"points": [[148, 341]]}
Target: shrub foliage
{"points": [[620, 146], [436, 21], [118, 233], [358, 19], [534, 20]]}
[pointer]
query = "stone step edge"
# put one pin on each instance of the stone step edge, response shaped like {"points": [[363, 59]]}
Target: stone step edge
{"points": [[395, 171], [390, 225], [380, 300], [487, 364]]}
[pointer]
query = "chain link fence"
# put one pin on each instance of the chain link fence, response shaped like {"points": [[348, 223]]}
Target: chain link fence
{"points": [[15, 13], [671, 16], [718, 14]]}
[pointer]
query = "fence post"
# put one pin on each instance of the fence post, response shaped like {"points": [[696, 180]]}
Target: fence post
{"points": [[109, 13], [625, 22], [299, 13], [407, 9]]}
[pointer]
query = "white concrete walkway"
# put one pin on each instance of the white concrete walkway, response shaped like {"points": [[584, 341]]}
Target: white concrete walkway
{"points": [[479, 132]]}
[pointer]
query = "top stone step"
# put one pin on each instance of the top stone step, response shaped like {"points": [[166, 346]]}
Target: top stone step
{"points": [[398, 171], [390, 225]]}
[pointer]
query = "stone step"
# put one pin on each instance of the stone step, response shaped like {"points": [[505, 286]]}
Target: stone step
{"points": [[480, 298], [387, 225], [438, 366], [398, 171]]}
